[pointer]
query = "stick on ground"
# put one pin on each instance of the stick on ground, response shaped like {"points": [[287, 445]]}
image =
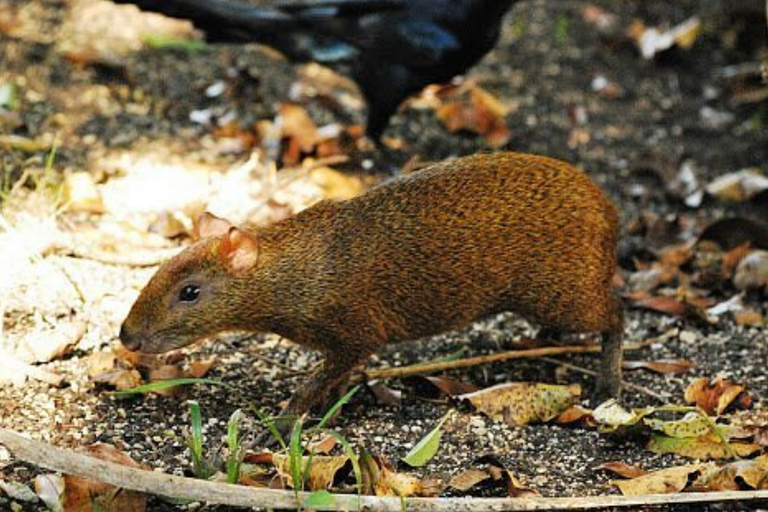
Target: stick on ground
{"points": [[68, 462]]}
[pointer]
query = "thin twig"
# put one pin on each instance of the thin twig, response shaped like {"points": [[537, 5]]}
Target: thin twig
{"points": [[624, 384], [422, 368], [161, 484]]}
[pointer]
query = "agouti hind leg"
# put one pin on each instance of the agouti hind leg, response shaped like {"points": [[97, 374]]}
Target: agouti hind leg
{"points": [[609, 380]]}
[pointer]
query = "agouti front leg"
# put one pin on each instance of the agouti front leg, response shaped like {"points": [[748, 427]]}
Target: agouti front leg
{"points": [[315, 391]]}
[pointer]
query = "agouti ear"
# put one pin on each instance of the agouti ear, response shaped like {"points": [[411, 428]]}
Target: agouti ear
{"points": [[210, 225], [239, 251]]}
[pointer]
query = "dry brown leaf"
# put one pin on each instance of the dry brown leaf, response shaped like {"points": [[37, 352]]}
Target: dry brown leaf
{"points": [[749, 317], [663, 366], [576, 413], [738, 186], [514, 488], [384, 394], [199, 369], [467, 479], [667, 305], [737, 476], [337, 185], [324, 446], [520, 403], [323, 471], [82, 495], [732, 258], [623, 469], [300, 131], [715, 396], [752, 271], [79, 193], [437, 387], [665, 481], [481, 113], [391, 483], [166, 372], [380, 479]]}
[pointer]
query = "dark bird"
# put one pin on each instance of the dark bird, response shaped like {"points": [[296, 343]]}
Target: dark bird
{"points": [[390, 48]]}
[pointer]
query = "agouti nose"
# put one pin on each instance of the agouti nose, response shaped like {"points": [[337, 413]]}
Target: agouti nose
{"points": [[129, 340]]}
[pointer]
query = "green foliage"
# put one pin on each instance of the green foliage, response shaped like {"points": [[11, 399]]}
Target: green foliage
{"points": [[427, 447], [195, 440], [165, 384], [236, 450]]}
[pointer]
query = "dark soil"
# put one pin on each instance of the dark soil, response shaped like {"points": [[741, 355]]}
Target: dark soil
{"points": [[545, 67]]}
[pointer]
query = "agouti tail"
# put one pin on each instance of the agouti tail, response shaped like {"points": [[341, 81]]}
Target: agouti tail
{"points": [[418, 255]]}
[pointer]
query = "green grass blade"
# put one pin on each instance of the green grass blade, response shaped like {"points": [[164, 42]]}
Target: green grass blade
{"points": [[173, 43], [236, 451], [338, 405], [165, 384], [269, 423], [295, 451], [196, 439]]}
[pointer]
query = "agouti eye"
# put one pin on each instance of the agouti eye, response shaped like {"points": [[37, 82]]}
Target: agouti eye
{"points": [[189, 293]]}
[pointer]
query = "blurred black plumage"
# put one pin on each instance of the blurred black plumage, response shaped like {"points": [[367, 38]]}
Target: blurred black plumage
{"points": [[390, 48]]}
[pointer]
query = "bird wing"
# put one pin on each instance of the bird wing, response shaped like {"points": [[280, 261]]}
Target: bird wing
{"points": [[341, 6]]}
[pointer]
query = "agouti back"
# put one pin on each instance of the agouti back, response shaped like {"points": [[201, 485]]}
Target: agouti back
{"points": [[415, 256]]}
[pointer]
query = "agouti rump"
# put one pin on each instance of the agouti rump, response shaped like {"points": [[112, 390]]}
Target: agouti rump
{"points": [[415, 256]]}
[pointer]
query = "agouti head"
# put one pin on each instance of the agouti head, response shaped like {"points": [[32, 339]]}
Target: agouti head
{"points": [[191, 295]]}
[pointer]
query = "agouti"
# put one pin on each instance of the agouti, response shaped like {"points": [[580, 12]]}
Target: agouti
{"points": [[415, 256]]}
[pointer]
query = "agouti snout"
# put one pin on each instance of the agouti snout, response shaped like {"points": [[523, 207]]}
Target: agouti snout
{"points": [[418, 255]]}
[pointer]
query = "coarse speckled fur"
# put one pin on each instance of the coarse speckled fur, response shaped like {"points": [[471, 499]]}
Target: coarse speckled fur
{"points": [[418, 255]]}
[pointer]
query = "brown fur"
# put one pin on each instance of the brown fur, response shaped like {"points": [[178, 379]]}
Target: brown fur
{"points": [[418, 255]]}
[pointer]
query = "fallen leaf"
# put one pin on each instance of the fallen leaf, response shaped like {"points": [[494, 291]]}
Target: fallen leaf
{"points": [[337, 185], [752, 271], [427, 447], [481, 113], [623, 469], [576, 413], [670, 480], [514, 488], [707, 446], [652, 41], [749, 317], [166, 372], [50, 489], [384, 394], [743, 475], [663, 366], [324, 446], [738, 186], [79, 193], [715, 396], [199, 369], [436, 387], [323, 471], [83, 495], [380, 479], [520, 403], [467, 479], [298, 129]]}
